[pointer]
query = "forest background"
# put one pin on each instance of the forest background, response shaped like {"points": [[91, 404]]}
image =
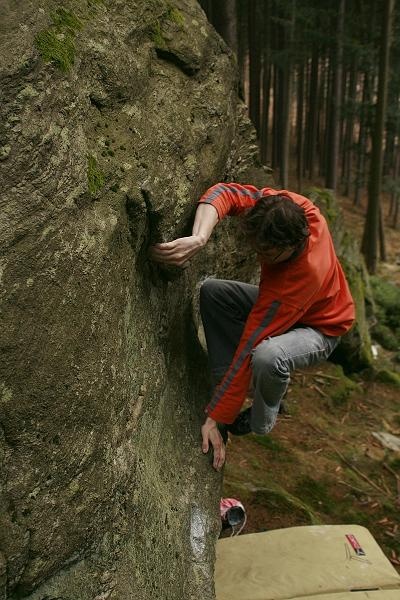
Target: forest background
{"points": [[322, 83]]}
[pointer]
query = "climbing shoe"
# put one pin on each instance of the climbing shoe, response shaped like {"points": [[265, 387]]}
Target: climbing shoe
{"points": [[241, 425]]}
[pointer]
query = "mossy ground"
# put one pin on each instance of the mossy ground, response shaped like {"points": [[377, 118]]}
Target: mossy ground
{"points": [[321, 463]]}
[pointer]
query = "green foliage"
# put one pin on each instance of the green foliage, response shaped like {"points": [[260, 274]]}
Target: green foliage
{"points": [[278, 499], [396, 358], [387, 298], [356, 516], [391, 185], [388, 376], [326, 202], [280, 452], [268, 442], [395, 464], [94, 175], [316, 493], [342, 392], [385, 337]]}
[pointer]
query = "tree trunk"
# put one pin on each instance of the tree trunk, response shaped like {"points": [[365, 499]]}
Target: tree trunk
{"points": [[286, 97], [255, 61], [362, 139], [224, 19], [312, 114], [371, 229], [382, 245], [299, 126], [266, 83], [276, 147], [324, 112], [242, 41], [395, 193], [333, 153], [349, 132]]}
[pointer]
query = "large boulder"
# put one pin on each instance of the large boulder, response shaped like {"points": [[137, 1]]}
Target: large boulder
{"points": [[114, 118]]}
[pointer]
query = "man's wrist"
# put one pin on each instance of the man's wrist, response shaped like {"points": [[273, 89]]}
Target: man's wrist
{"points": [[202, 239]]}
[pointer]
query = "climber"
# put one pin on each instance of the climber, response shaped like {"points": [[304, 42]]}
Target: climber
{"points": [[256, 335]]}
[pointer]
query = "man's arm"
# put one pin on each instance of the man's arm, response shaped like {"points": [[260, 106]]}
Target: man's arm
{"points": [[183, 249], [177, 253]]}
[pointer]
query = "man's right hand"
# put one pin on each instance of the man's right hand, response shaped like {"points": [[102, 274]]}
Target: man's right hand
{"points": [[177, 252]]}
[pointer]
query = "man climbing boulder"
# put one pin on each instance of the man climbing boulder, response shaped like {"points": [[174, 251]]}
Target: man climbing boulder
{"points": [[257, 335]]}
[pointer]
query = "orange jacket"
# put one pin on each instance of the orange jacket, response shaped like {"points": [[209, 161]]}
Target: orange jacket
{"points": [[309, 290]]}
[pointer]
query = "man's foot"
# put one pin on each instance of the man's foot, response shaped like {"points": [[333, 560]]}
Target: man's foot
{"points": [[241, 425]]}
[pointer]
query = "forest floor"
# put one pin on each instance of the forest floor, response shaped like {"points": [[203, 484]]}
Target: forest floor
{"points": [[322, 463]]}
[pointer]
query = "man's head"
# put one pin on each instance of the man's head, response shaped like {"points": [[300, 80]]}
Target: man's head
{"points": [[276, 227]]}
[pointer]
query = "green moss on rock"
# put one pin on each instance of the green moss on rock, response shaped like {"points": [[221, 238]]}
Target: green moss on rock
{"points": [[387, 299], [385, 337], [95, 176], [171, 14], [65, 19], [342, 389], [175, 15], [157, 36], [56, 48], [387, 376], [57, 44]]}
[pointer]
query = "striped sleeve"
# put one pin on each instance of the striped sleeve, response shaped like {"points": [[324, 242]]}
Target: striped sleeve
{"points": [[231, 198]]}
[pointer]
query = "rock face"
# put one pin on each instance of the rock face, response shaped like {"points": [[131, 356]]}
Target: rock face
{"points": [[115, 117]]}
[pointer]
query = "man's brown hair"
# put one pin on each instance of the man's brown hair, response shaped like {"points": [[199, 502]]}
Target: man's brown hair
{"points": [[275, 222]]}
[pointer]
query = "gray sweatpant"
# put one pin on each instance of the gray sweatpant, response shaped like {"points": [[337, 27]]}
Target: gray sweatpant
{"points": [[225, 306]]}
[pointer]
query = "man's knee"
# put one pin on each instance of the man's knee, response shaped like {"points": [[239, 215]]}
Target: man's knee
{"points": [[208, 287], [211, 289], [269, 357]]}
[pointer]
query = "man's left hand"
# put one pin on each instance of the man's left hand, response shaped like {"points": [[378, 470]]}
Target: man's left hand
{"points": [[210, 433]]}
